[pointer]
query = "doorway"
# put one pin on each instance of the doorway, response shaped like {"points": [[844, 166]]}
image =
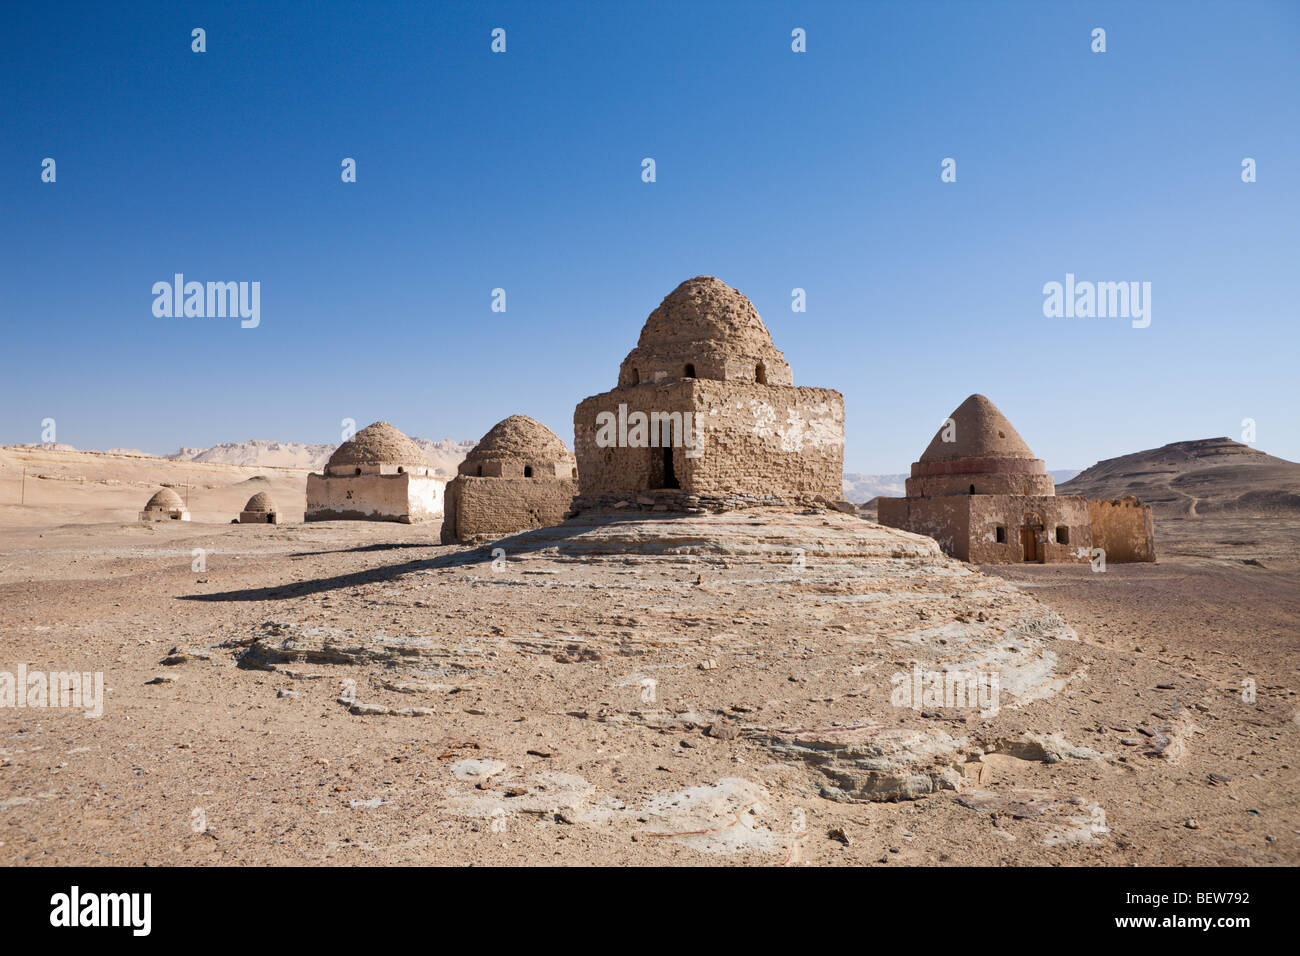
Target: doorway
{"points": [[1031, 536], [670, 475]]}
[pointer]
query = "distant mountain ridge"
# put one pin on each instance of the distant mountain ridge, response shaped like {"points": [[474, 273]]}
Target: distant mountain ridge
{"points": [[1200, 477], [444, 454]]}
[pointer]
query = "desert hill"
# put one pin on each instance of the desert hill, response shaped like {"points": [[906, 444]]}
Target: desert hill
{"points": [[1206, 476], [444, 455]]}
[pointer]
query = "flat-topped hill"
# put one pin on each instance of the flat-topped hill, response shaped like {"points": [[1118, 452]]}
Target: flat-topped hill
{"points": [[1202, 477]]}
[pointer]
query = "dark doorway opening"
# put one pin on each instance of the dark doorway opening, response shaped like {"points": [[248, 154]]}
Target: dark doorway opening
{"points": [[690, 371], [670, 476]]}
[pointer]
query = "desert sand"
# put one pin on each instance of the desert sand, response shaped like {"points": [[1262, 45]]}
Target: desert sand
{"points": [[702, 691]]}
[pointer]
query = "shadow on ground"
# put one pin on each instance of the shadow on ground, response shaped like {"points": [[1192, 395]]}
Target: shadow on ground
{"points": [[526, 542]]}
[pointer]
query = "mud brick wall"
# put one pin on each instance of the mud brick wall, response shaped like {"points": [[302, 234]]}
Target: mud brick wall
{"points": [[406, 498], [965, 526], [1124, 529], [947, 520], [763, 440], [1068, 512], [488, 508]]}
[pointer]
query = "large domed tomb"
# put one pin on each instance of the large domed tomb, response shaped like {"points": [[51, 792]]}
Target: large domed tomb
{"points": [[705, 414]]}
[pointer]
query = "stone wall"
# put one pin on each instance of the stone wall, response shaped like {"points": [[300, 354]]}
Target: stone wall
{"points": [[406, 498], [1124, 529], [479, 509], [765, 441]]}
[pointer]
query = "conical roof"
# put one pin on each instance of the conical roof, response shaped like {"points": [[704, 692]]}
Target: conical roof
{"points": [[260, 502], [980, 431], [165, 500], [520, 438], [378, 444]]}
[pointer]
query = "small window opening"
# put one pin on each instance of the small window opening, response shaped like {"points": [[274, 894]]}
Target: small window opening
{"points": [[528, 471], [400, 469], [972, 489], [690, 371], [636, 377], [358, 471], [575, 473], [1002, 534], [1062, 534], [760, 374], [479, 471]]}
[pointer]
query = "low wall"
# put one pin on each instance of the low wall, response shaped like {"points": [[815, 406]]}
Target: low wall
{"points": [[1124, 529], [478, 509], [403, 498]]}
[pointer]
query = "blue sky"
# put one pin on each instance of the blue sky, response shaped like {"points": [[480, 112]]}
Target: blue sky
{"points": [[522, 170]]}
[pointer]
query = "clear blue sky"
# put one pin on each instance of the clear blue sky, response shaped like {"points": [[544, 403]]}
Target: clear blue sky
{"points": [[522, 170]]}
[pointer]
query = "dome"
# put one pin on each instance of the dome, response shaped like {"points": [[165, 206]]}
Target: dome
{"points": [[979, 431], [378, 444], [985, 456], [260, 502], [165, 500], [705, 329], [520, 438]]}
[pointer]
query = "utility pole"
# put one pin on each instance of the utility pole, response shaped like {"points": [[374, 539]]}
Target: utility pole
{"points": [[22, 500]]}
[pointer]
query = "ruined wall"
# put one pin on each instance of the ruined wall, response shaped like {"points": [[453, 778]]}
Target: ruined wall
{"points": [[966, 526], [373, 497], [1124, 529], [489, 508], [761, 440]]}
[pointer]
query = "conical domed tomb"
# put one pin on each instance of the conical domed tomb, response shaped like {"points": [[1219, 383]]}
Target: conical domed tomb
{"points": [[979, 491]]}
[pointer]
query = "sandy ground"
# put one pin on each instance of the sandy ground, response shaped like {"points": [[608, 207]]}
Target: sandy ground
{"points": [[702, 692]]}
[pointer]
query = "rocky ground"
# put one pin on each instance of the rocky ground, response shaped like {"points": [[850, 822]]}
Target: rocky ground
{"points": [[712, 690]]}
